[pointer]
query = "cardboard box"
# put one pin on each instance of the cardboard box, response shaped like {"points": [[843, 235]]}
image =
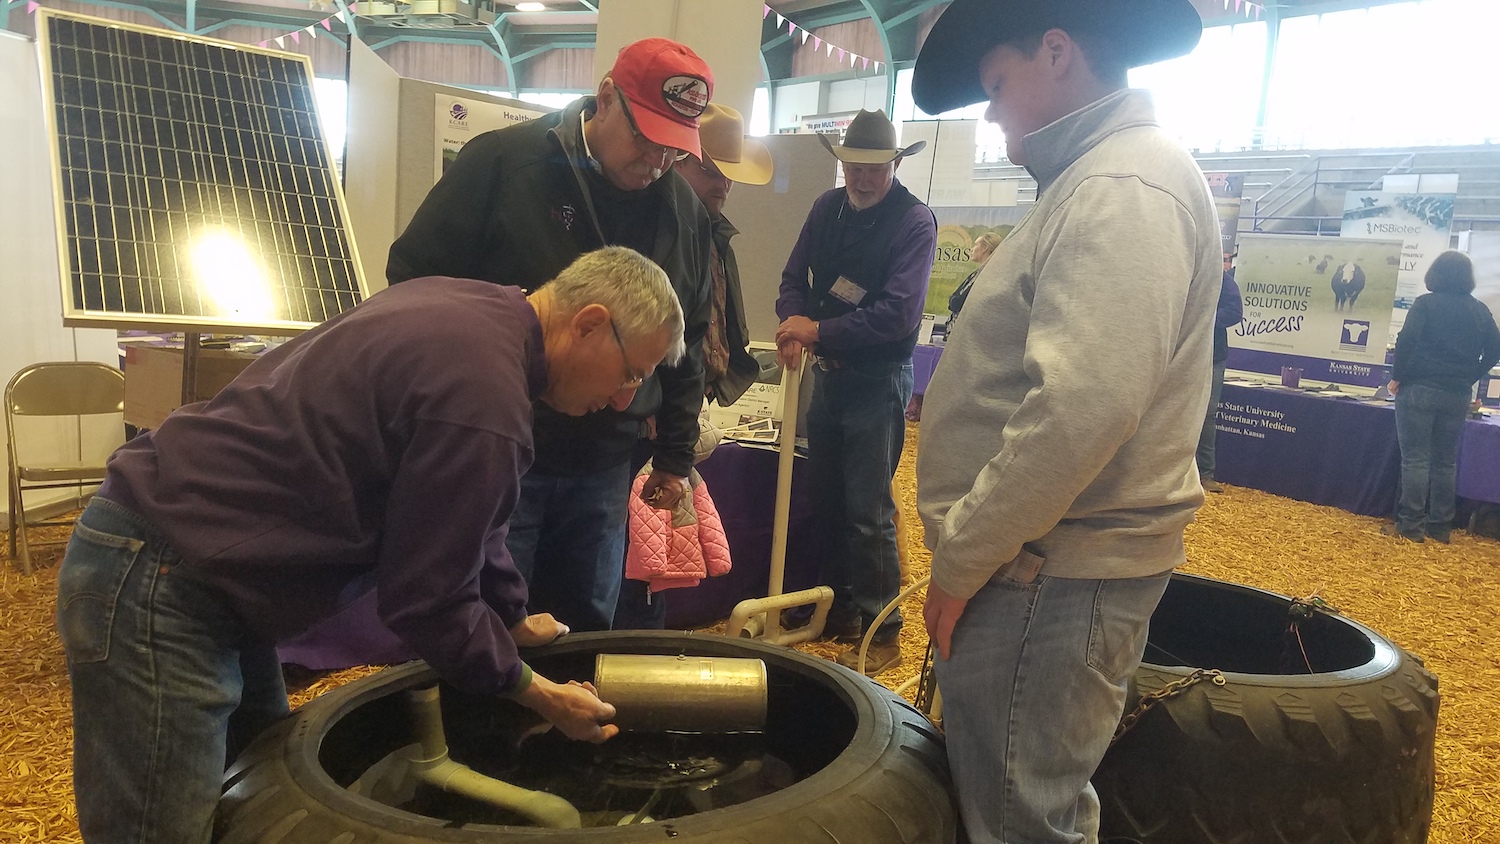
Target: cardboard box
{"points": [[153, 380]]}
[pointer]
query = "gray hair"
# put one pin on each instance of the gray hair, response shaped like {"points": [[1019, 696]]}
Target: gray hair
{"points": [[634, 290]]}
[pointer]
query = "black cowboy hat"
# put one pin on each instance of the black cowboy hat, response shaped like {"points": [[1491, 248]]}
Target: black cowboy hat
{"points": [[947, 72]]}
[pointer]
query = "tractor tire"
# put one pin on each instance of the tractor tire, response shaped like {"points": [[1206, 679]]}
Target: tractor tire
{"points": [[882, 775], [1321, 733]]}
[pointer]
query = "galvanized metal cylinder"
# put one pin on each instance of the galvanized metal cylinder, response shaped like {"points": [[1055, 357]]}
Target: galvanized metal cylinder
{"points": [[683, 694]]}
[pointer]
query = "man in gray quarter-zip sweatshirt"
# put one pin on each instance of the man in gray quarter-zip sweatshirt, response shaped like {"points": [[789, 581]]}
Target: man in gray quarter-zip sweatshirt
{"points": [[1055, 469]]}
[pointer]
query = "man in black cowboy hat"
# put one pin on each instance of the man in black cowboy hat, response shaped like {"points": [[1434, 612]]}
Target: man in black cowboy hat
{"points": [[852, 294], [1056, 471]]}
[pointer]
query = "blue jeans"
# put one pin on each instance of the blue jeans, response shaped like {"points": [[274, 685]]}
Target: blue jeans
{"points": [[1033, 688], [567, 538], [168, 684], [856, 428], [1206, 437], [1429, 423]]}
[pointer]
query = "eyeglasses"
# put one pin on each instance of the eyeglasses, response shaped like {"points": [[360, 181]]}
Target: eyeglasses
{"points": [[635, 380], [644, 143]]}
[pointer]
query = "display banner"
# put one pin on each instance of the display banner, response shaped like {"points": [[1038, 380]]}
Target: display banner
{"points": [[1227, 190], [1318, 304], [1423, 222], [460, 120], [958, 228]]}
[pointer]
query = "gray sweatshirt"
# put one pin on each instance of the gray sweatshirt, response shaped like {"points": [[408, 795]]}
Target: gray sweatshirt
{"points": [[1066, 409]]}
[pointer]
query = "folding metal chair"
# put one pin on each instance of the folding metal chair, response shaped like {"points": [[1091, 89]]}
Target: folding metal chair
{"points": [[58, 389]]}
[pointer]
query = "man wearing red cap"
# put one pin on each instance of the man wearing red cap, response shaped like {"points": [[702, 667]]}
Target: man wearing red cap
{"points": [[1055, 474], [517, 206]]}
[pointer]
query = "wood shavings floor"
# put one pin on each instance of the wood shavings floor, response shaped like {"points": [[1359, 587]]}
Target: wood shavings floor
{"points": [[1442, 602]]}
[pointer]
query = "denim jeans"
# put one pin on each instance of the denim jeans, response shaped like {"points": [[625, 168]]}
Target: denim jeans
{"points": [[1429, 423], [168, 684], [1206, 437], [567, 538], [856, 428], [1033, 688]]}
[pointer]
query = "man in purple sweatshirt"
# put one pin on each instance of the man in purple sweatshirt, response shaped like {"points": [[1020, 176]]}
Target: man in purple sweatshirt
{"points": [[852, 294], [381, 450]]}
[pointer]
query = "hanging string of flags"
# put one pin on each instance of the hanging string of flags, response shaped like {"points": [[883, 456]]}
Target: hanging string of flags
{"points": [[1247, 7], [310, 29], [828, 47]]}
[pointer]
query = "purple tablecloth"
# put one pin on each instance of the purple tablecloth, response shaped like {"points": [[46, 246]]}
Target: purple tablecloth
{"points": [[743, 484], [1336, 451]]}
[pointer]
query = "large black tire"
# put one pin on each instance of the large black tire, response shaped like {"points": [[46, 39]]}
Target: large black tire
{"points": [[887, 780], [1341, 754]]}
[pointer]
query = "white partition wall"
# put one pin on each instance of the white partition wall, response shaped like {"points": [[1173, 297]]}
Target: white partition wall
{"points": [[770, 217], [370, 158], [724, 33], [31, 329]]}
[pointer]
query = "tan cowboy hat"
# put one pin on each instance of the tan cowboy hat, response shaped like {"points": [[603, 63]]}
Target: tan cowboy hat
{"points": [[870, 139], [721, 132]]}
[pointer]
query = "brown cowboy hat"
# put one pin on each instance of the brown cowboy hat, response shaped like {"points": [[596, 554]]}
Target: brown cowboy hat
{"points": [[947, 71], [721, 132], [870, 139]]}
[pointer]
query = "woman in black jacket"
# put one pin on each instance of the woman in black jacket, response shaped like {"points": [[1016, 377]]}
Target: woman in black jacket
{"points": [[1448, 342]]}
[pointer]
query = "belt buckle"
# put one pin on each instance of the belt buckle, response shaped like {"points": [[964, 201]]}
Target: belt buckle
{"points": [[829, 364]]}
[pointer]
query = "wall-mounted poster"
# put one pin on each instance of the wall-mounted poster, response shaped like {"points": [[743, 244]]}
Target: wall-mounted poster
{"points": [[1421, 221], [461, 119], [958, 228], [1320, 304]]}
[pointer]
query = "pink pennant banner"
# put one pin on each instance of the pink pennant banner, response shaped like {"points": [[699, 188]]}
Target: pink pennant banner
{"points": [[327, 24], [1237, 5], [32, 6], [791, 28], [312, 31], [864, 63], [296, 38], [817, 43], [280, 41], [841, 53], [765, 11]]}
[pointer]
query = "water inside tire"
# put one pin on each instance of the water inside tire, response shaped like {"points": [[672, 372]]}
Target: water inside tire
{"points": [[660, 776]]}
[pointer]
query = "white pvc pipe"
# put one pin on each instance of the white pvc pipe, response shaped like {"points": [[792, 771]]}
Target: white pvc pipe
{"points": [[435, 768], [864, 645], [791, 391]]}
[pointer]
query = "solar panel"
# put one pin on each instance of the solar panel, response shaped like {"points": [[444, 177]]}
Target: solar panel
{"points": [[194, 188]]}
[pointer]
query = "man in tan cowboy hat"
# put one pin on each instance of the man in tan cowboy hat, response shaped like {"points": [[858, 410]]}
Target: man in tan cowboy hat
{"points": [[1056, 470], [728, 368], [852, 294], [728, 157]]}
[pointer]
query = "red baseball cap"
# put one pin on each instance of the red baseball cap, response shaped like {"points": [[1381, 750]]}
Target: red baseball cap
{"points": [[668, 87]]}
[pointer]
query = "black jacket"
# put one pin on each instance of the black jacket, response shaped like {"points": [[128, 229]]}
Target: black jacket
{"points": [[1448, 342], [743, 367], [515, 208]]}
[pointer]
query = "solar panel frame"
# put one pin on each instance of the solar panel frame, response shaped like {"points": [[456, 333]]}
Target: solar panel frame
{"points": [[264, 186]]}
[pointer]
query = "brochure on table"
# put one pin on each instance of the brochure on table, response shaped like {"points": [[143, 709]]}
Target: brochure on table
{"points": [[1318, 304]]}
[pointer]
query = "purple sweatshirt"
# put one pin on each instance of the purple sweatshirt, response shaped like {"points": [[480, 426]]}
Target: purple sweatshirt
{"points": [[383, 449], [892, 316]]}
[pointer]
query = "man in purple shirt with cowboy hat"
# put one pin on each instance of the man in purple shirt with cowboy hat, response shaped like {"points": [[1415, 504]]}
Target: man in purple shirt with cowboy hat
{"points": [[852, 294]]}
